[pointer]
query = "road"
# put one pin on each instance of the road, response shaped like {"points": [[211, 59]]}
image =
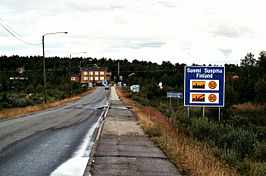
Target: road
{"points": [[43, 143]]}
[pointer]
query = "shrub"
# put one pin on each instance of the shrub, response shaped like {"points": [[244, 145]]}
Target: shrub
{"points": [[200, 128], [38, 99], [154, 131], [260, 153], [238, 120], [6, 105], [162, 107], [182, 117], [57, 94], [29, 89], [142, 100], [17, 102], [242, 141], [227, 155], [39, 88]]}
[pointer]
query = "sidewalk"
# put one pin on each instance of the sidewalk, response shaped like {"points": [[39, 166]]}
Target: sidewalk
{"points": [[124, 149]]}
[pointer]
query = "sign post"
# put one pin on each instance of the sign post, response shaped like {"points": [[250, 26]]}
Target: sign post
{"points": [[174, 95], [204, 86]]}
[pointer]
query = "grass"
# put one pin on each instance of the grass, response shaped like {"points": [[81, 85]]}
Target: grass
{"points": [[7, 113], [190, 156]]}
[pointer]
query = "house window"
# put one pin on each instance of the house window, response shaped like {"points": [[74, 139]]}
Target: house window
{"points": [[73, 78], [85, 73], [96, 73], [91, 78], [96, 78], [91, 73], [101, 73], [101, 78], [85, 78]]}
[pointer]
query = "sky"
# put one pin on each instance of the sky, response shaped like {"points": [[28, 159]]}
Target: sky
{"points": [[179, 31]]}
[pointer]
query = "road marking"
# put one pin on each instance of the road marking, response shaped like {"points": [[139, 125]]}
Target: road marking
{"points": [[76, 166]]}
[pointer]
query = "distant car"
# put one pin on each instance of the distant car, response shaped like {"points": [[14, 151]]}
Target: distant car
{"points": [[106, 87]]}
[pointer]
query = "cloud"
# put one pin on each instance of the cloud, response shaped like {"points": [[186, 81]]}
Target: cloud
{"points": [[231, 30], [226, 52], [186, 31], [138, 45], [169, 4]]}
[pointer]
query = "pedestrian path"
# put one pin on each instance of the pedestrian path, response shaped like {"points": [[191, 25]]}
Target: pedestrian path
{"points": [[124, 149]]}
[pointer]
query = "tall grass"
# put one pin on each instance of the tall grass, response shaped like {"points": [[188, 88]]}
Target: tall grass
{"points": [[190, 156]]}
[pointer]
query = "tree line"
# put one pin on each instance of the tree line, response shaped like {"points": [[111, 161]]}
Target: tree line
{"points": [[244, 82]]}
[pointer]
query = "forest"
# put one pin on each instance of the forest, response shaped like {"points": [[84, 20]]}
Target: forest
{"points": [[240, 136]]}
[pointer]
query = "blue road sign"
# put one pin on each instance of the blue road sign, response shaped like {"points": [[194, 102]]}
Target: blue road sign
{"points": [[174, 95], [204, 86], [104, 82], [135, 88]]}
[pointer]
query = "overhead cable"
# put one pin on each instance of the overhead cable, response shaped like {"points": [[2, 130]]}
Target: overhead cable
{"points": [[14, 34]]}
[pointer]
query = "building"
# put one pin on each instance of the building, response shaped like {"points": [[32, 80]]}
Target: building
{"points": [[108, 76], [75, 77], [93, 74]]}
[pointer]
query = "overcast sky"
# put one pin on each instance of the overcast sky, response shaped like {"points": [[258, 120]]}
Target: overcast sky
{"points": [[183, 31]]}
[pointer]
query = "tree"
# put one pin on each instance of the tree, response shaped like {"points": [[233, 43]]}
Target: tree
{"points": [[261, 64], [260, 92], [249, 60]]}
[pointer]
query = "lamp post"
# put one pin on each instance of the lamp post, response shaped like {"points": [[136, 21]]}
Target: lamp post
{"points": [[44, 69], [69, 77]]}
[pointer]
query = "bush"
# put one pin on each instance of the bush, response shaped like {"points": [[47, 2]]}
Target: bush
{"points": [[154, 131], [260, 153], [17, 102], [227, 155], [242, 141], [6, 105], [163, 107], [200, 128], [182, 117], [239, 121], [39, 88], [142, 100], [29, 89], [57, 94], [38, 99]]}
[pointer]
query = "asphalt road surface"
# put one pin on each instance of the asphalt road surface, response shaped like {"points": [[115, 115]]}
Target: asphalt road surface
{"points": [[39, 143]]}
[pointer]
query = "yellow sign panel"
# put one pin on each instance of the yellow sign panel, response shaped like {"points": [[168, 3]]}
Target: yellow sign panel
{"points": [[198, 84], [198, 97], [212, 98]]}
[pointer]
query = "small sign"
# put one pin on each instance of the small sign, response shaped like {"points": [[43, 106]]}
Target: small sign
{"points": [[174, 95], [135, 88], [104, 82]]}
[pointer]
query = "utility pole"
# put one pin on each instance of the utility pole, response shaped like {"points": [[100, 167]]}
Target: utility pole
{"points": [[69, 81], [69, 75], [118, 69], [44, 67], [44, 71]]}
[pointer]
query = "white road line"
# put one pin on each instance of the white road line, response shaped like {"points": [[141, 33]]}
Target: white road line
{"points": [[77, 165]]}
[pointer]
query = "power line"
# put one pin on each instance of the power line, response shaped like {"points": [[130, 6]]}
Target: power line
{"points": [[14, 34]]}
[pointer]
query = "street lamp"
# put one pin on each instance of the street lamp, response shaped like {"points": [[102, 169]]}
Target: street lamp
{"points": [[44, 69], [69, 63]]}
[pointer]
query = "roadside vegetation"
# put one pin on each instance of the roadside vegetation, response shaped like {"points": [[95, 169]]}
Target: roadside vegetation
{"points": [[235, 146], [201, 146], [15, 111]]}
